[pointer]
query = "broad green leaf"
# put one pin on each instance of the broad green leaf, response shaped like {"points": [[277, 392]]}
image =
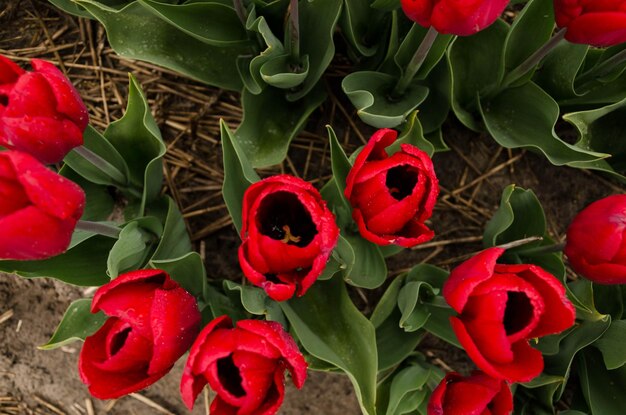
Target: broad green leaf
{"points": [[387, 5], [525, 117], [433, 112], [98, 144], [559, 70], [83, 265], [412, 133], [409, 46], [369, 92], [187, 270], [338, 204], [99, 202], [387, 303], [278, 72], [361, 25], [603, 389], [611, 344], [532, 28], [411, 300], [340, 164], [137, 32], [210, 22], [129, 251], [137, 138], [238, 174], [369, 269], [405, 383], [317, 24], [332, 329], [393, 343], [580, 292], [439, 323], [219, 304], [542, 388], [174, 241], [270, 122], [77, 323], [476, 66], [257, 302], [69, 6]]}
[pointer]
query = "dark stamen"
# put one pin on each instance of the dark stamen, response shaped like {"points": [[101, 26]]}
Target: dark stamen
{"points": [[401, 181], [230, 377], [282, 217], [118, 341], [4, 100], [518, 312]]}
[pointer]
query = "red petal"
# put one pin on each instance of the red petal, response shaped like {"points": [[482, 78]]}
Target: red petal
{"points": [[601, 29], [9, 71]]}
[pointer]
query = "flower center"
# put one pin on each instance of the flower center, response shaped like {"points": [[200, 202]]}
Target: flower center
{"points": [[401, 181], [282, 217], [518, 312], [230, 377], [118, 341]]}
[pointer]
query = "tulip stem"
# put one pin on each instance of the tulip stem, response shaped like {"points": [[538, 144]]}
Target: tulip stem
{"points": [[416, 62], [294, 30], [240, 10], [99, 228], [546, 249], [520, 242], [604, 68], [534, 59], [101, 164]]}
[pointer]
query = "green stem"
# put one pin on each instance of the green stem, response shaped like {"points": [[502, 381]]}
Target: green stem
{"points": [[534, 59], [99, 228], [604, 68], [416, 62], [294, 30], [546, 249], [520, 242], [240, 9], [102, 165]]}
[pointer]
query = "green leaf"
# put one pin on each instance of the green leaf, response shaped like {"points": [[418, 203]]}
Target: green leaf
{"points": [[187, 270], [531, 29], [340, 164], [337, 334], [137, 138], [257, 302], [369, 269], [174, 241], [360, 24], [525, 117], [369, 92], [393, 343], [99, 145], [580, 292], [412, 133], [278, 72], [83, 265], [387, 303], [317, 20], [99, 201], [387, 5], [270, 122], [409, 46], [476, 63], [603, 389], [404, 384], [68, 6], [411, 303], [77, 323], [433, 112], [238, 174], [129, 251], [611, 344], [219, 304], [210, 22], [559, 70]]}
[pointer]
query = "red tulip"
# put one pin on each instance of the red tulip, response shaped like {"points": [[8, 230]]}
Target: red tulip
{"points": [[244, 365], [598, 23], [287, 235], [502, 307], [40, 112], [38, 209], [476, 394], [392, 196], [457, 17], [152, 323], [596, 243]]}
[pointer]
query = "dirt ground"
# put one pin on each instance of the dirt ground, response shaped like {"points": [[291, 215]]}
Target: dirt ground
{"points": [[472, 175]]}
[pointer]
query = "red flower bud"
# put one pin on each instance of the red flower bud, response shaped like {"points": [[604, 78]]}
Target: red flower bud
{"points": [[598, 23], [596, 247], [38, 209], [40, 112], [287, 235], [457, 17], [244, 365], [392, 196], [475, 394], [502, 307], [153, 321]]}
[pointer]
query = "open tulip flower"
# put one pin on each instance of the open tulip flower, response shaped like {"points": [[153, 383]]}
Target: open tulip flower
{"points": [[287, 234], [502, 307], [477, 394], [41, 112], [39, 209], [392, 196], [457, 17], [598, 23], [596, 247], [152, 322], [244, 365]]}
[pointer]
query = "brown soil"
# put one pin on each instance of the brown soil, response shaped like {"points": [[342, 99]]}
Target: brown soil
{"points": [[473, 175]]}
